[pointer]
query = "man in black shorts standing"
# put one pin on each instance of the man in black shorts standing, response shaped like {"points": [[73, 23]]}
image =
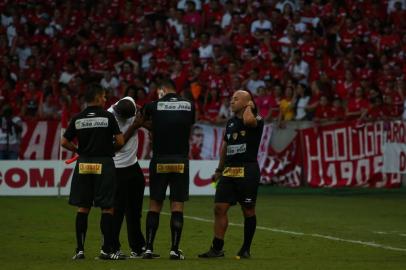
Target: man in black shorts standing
{"points": [[238, 173], [94, 178], [172, 118]]}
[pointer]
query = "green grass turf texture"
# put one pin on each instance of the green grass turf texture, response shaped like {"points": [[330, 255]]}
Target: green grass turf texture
{"points": [[38, 233]]}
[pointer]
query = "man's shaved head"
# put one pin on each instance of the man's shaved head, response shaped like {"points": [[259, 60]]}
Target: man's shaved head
{"points": [[240, 100], [245, 95]]}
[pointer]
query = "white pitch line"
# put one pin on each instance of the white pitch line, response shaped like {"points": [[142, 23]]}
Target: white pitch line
{"points": [[328, 237]]}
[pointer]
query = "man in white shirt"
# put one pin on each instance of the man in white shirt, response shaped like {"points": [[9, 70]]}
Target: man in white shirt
{"points": [[205, 48], [254, 82], [299, 68], [130, 179], [261, 24]]}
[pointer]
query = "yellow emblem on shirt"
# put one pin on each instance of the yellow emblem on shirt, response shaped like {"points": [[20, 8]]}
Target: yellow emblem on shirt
{"points": [[90, 168], [233, 172], [170, 168]]}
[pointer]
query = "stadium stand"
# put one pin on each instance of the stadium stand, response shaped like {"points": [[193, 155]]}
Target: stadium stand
{"points": [[344, 52]]}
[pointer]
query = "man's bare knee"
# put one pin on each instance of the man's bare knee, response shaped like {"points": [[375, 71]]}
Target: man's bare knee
{"points": [[220, 210]]}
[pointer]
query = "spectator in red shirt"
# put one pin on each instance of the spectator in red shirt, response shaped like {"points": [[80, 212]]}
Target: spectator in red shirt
{"points": [[211, 106], [243, 39], [212, 13], [345, 89], [192, 17], [337, 110], [323, 111], [356, 105], [265, 103], [376, 111]]}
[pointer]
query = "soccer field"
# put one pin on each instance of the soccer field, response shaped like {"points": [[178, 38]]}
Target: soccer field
{"points": [[296, 230]]}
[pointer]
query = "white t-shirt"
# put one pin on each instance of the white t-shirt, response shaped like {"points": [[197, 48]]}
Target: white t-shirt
{"points": [[113, 83], [300, 109], [66, 77], [226, 20], [253, 86], [302, 68], [127, 155], [258, 25], [206, 51]]}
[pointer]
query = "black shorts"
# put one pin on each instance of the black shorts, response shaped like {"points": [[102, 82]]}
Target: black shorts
{"points": [[173, 173], [238, 184], [93, 182]]}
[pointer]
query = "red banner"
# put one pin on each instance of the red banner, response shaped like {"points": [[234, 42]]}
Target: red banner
{"points": [[346, 154]]}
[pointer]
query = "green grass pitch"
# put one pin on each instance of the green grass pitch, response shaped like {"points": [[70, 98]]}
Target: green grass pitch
{"points": [[297, 230]]}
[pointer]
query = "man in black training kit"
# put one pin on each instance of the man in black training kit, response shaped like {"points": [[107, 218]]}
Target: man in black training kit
{"points": [[238, 173], [130, 179], [94, 178], [172, 118]]}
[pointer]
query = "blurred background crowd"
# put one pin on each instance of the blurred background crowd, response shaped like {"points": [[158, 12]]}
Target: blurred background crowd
{"points": [[302, 60]]}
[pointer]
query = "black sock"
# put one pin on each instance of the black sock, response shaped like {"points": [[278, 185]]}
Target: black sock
{"points": [[218, 244], [152, 227], [176, 229], [106, 226], [81, 229], [250, 224], [118, 218]]}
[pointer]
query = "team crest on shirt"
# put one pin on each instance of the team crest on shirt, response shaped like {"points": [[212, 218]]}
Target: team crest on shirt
{"points": [[235, 135], [231, 125], [242, 132]]}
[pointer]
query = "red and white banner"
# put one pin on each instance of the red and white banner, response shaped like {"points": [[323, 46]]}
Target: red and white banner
{"points": [[394, 154], [41, 140], [337, 155], [283, 168], [346, 154], [42, 178]]}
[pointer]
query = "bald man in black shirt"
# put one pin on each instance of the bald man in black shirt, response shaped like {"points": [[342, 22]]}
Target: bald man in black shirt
{"points": [[171, 120], [94, 178], [238, 173]]}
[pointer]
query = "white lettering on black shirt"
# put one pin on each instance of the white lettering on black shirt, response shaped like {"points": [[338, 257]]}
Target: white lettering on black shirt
{"points": [[95, 122]]}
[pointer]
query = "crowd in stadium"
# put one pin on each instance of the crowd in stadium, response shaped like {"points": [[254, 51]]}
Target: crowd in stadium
{"points": [[302, 60]]}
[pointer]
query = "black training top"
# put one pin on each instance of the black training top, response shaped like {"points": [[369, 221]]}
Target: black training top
{"points": [[242, 141], [172, 117], [94, 128]]}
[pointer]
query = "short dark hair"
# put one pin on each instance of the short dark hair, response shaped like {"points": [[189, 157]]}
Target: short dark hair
{"points": [[93, 90], [167, 83]]}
